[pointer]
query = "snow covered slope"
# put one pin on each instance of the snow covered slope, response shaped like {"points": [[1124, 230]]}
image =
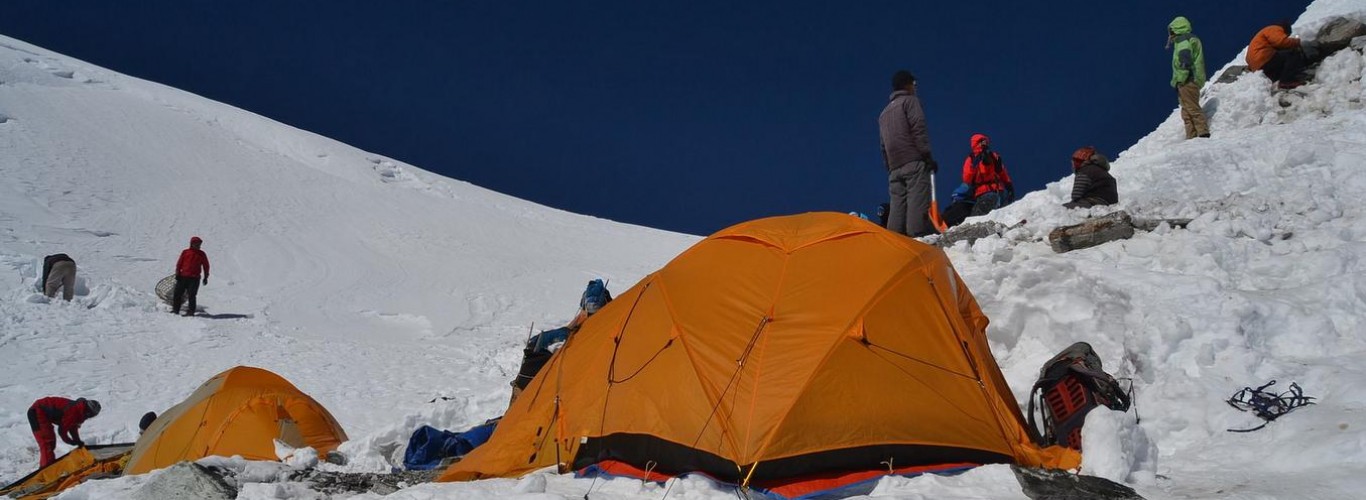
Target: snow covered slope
{"points": [[1268, 282], [376, 286], [371, 284]]}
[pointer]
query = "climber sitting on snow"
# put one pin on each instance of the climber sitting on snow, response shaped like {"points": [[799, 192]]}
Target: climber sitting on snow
{"points": [[540, 347], [1092, 184]]}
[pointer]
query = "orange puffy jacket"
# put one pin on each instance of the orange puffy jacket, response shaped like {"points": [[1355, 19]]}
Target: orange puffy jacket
{"points": [[1265, 44]]}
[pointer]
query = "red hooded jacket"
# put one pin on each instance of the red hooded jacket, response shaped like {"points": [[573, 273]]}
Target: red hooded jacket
{"points": [[983, 169]]}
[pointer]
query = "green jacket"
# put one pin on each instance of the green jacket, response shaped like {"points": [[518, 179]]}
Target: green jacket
{"points": [[1188, 60]]}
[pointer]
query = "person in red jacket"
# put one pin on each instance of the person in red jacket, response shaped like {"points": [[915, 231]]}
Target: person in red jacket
{"points": [[985, 174], [188, 268], [67, 415]]}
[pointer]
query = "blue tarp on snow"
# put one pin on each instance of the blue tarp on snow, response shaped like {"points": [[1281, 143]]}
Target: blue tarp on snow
{"points": [[429, 446]]}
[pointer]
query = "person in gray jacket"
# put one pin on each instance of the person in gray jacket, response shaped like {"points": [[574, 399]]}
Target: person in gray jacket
{"points": [[906, 155]]}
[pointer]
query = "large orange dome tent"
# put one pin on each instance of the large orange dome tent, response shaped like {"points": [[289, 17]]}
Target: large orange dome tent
{"points": [[240, 411], [774, 350]]}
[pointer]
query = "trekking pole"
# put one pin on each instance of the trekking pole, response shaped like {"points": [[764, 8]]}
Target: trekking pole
{"points": [[934, 197], [936, 220]]}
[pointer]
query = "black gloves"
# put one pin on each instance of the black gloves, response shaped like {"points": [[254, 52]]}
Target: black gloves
{"points": [[932, 165]]}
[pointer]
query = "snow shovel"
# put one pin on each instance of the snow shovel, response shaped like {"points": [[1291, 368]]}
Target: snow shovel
{"points": [[936, 219]]}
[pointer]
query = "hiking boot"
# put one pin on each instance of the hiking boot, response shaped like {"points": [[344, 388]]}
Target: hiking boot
{"points": [[1204, 135], [1289, 85], [188, 314]]}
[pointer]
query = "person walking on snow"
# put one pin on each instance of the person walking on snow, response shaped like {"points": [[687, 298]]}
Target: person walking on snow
{"points": [[187, 271], [67, 415], [59, 271], [907, 158], [985, 173], [1188, 75], [1092, 184]]}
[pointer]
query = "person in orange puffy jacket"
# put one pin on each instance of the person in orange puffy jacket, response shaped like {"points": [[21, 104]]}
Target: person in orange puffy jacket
{"points": [[188, 268], [1277, 55], [67, 415]]}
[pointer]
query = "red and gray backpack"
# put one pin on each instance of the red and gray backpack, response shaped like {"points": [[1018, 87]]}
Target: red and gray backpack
{"points": [[1070, 385]]}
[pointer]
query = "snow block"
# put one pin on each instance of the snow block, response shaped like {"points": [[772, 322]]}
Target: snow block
{"points": [[1358, 44], [1104, 229], [186, 480], [1041, 484]]}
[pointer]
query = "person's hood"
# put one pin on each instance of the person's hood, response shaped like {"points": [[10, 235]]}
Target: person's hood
{"points": [[979, 143], [1098, 160], [900, 93], [1179, 26]]}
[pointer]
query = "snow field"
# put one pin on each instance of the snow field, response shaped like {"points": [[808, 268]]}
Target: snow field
{"points": [[377, 287]]}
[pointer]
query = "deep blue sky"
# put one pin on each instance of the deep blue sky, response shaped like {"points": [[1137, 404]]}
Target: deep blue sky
{"points": [[688, 116]]}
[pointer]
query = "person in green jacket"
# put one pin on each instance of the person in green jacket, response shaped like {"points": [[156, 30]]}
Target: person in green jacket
{"points": [[1188, 75]]}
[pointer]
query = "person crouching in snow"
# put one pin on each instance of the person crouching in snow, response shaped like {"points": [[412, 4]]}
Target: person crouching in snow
{"points": [[67, 415], [59, 272], [187, 271], [1092, 184], [1277, 55]]}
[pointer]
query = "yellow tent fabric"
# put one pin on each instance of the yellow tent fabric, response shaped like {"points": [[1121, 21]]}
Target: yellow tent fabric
{"points": [[776, 348], [238, 412], [70, 470]]}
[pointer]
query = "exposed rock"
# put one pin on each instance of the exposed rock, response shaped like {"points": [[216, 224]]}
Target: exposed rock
{"points": [[1051, 484], [1231, 74], [971, 232], [186, 480], [1104, 229], [1337, 35], [333, 483]]}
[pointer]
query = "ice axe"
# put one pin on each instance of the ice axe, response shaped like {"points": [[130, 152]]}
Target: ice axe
{"points": [[936, 219]]}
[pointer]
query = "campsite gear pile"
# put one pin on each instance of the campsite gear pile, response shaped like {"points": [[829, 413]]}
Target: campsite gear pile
{"points": [[1268, 405], [541, 346], [1071, 385], [431, 448], [765, 378], [81, 464]]}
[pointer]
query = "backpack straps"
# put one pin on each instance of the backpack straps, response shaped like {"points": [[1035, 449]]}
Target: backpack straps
{"points": [[977, 170]]}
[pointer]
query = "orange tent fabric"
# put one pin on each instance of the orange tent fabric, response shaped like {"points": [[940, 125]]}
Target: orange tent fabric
{"points": [[238, 412], [70, 470], [775, 348]]}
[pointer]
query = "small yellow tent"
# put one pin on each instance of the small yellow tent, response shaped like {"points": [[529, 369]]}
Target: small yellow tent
{"points": [[71, 469], [785, 347], [238, 412]]}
